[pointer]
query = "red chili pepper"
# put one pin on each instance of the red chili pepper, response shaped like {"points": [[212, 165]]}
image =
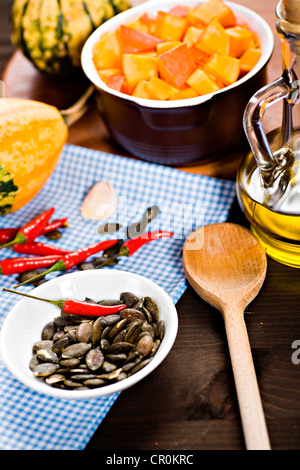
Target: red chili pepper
{"points": [[42, 249], [8, 234], [71, 259], [132, 245], [77, 307], [31, 230], [54, 225], [22, 265]]}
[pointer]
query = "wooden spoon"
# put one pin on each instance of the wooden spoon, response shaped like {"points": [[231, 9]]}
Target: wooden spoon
{"points": [[226, 265]]}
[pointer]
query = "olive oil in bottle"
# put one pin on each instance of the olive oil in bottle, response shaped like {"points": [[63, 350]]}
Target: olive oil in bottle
{"points": [[274, 213]]}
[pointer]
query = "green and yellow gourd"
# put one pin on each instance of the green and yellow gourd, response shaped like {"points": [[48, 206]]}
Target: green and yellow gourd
{"points": [[51, 33]]}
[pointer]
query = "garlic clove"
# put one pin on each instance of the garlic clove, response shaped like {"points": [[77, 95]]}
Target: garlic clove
{"points": [[100, 202]]}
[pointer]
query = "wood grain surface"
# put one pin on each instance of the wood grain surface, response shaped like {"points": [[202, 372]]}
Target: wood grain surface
{"points": [[189, 402]]}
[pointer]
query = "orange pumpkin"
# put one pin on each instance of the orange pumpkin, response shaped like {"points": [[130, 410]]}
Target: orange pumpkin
{"points": [[32, 135]]}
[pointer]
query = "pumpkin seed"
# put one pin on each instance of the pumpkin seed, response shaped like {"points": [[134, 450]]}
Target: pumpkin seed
{"points": [[48, 331], [76, 350], [104, 259], [84, 332], [54, 379], [138, 228], [131, 314], [144, 345], [94, 359], [47, 355], [129, 299], [108, 227], [45, 369]]}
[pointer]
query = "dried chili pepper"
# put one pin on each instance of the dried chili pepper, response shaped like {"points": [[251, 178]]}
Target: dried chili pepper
{"points": [[71, 259], [133, 244], [77, 307], [8, 234], [31, 230], [38, 248], [24, 264]]}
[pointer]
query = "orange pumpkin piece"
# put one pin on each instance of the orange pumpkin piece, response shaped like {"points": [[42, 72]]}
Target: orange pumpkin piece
{"points": [[193, 35], [204, 13], [166, 46], [199, 57], [133, 40], [170, 27], [141, 24], [214, 39], [179, 10], [249, 59], [104, 74], [240, 39], [188, 92], [202, 83], [158, 89], [107, 52], [176, 65], [138, 67], [141, 90], [117, 82], [223, 68]]}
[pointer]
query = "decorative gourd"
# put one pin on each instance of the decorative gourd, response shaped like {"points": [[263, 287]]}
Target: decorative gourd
{"points": [[32, 135], [51, 33]]}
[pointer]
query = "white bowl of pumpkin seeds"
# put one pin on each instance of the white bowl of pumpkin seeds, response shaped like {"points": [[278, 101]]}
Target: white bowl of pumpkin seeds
{"points": [[113, 352]]}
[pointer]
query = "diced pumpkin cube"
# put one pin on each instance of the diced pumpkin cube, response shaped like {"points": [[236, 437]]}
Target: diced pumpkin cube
{"points": [[138, 67], [204, 13], [199, 57], [104, 74], [179, 10], [117, 82], [149, 21], [170, 27], [166, 46], [202, 83], [176, 65], [249, 59], [192, 35], [239, 40], [107, 52], [214, 39], [159, 89], [140, 25], [223, 68], [184, 94], [141, 90], [136, 41]]}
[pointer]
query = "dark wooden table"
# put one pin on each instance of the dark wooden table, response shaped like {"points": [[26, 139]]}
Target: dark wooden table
{"points": [[189, 402]]}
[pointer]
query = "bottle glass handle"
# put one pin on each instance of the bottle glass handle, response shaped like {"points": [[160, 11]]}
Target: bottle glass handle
{"points": [[260, 101]]}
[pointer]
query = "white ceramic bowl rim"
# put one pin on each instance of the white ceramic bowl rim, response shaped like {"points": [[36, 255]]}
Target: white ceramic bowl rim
{"points": [[73, 285], [255, 21]]}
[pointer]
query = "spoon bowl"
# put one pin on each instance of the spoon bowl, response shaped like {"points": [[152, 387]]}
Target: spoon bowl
{"points": [[226, 265]]}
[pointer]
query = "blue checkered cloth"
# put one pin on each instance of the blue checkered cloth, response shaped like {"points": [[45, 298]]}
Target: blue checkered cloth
{"points": [[32, 421]]}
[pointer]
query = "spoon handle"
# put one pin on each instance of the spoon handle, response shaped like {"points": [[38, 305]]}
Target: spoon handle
{"points": [[251, 410]]}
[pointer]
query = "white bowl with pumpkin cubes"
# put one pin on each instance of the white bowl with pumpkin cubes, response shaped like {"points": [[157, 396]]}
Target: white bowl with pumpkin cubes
{"points": [[25, 322], [173, 79]]}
